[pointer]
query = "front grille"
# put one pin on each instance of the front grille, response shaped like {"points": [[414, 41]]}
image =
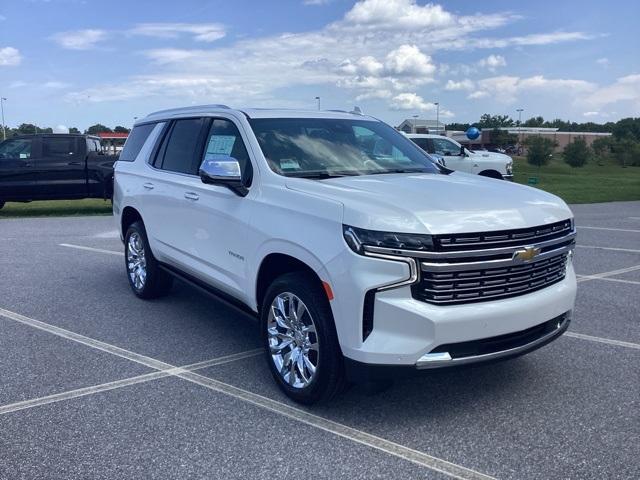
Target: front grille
{"points": [[502, 238], [484, 284]]}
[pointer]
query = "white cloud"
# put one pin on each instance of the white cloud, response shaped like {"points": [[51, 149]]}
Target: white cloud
{"points": [[507, 88], [603, 62], [492, 62], [591, 114], [465, 84], [624, 89], [55, 84], [413, 101], [79, 39], [316, 2], [371, 94], [379, 45], [201, 32], [409, 60], [9, 57]]}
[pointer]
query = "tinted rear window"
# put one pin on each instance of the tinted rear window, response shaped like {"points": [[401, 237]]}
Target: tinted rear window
{"points": [[135, 141], [181, 146]]}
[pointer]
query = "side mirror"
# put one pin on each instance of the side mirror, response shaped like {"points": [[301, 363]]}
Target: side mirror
{"points": [[225, 171]]}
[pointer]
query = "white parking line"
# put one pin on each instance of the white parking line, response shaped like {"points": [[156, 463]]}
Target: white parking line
{"points": [[608, 279], [600, 276], [613, 249], [609, 341], [433, 463], [147, 377], [90, 249], [611, 229]]}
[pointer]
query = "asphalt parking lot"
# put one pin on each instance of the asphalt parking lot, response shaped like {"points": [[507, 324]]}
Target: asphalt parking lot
{"points": [[90, 385]]}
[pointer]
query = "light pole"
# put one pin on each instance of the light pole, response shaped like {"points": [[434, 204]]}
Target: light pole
{"points": [[4, 133], [519, 110], [318, 99], [415, 123], [437, 104]]}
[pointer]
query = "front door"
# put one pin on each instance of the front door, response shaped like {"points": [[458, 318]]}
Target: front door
{"points": [[17, 173], [451, 153]]}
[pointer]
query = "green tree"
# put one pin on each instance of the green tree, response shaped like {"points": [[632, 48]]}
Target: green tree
{"points": [[503, 138], [27, 128], [74, 130], [627, 128], [97, 128], [577, 153], [534, 122], [627, 151], [120, 129], [539, 150], [494, 121]]}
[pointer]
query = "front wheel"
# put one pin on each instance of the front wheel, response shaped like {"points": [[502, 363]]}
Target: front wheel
{"points": [[1, 204], [300, 339], [146, 278]]}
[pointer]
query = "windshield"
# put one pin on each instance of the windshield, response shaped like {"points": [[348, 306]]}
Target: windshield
{"points": [[323, 148]]}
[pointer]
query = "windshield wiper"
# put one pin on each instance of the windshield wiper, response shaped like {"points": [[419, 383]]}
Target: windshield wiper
{"points": [[399, 170], [320, 175]]}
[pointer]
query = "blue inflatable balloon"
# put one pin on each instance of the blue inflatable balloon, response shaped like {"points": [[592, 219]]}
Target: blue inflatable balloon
{"points": [[473, 133]]}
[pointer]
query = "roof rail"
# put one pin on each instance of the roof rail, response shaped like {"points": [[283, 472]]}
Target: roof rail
{"points": [[195, 108]]}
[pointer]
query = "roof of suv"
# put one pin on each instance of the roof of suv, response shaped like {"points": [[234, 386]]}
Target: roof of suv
{"points": [[256, 113]]}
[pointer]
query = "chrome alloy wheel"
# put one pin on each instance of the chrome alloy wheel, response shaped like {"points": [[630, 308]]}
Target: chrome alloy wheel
{"points": [[293, 341], [136, 261]]}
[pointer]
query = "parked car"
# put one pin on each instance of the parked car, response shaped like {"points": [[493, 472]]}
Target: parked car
{"points": [[361, 256], [458, 157], [54, 167]]}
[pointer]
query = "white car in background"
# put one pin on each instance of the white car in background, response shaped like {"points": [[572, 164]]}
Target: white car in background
{"points": [[457, 157]]}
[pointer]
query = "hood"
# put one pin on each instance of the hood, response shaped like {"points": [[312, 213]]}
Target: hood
{"points": [[436, 204], [499, 157]]}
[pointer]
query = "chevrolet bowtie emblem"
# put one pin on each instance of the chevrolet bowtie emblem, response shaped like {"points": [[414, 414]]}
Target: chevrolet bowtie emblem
{"points": [[526, 254]]}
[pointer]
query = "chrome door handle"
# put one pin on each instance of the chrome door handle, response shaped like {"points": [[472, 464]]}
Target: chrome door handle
{"points": [[148, 186], [191, 196]]}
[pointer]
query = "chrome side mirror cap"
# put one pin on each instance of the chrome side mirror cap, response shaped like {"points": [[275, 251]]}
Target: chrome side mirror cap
{"points": [[225, 171]]}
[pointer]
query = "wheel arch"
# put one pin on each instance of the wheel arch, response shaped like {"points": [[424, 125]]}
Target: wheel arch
{"points": [[274, 265], [491, 173], [128, 217]]}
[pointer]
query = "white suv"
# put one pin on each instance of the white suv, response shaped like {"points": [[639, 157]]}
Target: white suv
{"points": [[457, 157], [361, 256]]}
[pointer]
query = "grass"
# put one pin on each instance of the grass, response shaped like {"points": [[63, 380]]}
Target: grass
{"points": [[606, 182], [56, 208]]}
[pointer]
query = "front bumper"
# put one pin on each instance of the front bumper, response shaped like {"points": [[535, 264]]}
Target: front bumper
{"points": [[406, 330], [496, 349], [508, 178]]}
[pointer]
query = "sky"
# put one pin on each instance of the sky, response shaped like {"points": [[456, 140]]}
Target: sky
{"points": [[76, 63]]}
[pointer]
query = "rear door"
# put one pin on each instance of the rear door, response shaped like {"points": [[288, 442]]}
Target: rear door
{"points": [[61, 169], [17, 172]]}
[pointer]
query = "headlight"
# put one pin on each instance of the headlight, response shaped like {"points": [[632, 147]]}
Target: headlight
{"points": [[509, 168], [359, 238]]}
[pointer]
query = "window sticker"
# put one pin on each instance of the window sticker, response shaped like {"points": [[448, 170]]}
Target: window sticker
{"points": [[289, 164], [221, 145], [24, 155]]}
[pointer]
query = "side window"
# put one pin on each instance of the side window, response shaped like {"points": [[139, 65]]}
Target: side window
{"points": [[16, 148], [178, 154], [92, 145], [378, 147], [135, 142], [445, 147], [224, 140], [60, 147], [423, 143]]}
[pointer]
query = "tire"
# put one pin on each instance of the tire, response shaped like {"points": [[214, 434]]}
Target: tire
{"points": [[1, 204], [328, 378], [146, 278]]}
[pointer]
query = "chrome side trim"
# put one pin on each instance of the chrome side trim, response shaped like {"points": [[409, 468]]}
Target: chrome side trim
{"points": [[413, 270], [469, 253], [485, 264], [438, 360]]}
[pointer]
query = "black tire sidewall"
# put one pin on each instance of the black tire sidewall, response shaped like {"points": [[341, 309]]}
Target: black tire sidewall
{"points": [[158, 282], [330, 367]]}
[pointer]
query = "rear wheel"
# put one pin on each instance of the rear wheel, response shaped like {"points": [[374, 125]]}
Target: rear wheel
{"points": [[300, 339], [146, 278]]}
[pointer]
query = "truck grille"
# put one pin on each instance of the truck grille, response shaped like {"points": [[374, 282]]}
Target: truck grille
{"points": [[504, 238], [484, 284]]}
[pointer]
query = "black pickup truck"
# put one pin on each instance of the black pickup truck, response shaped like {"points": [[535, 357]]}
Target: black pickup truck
{"points": [[54, 167]]}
